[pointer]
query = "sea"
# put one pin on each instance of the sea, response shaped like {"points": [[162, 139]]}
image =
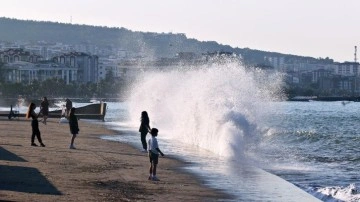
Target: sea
{"points": [[233, 129]]}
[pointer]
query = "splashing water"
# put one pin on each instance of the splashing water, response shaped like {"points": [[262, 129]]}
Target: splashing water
{"points": [[217, 107], [349, 193]]}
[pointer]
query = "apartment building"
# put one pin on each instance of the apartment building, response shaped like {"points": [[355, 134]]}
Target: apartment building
{"points": [[347, 69], [25, 66], [26, 72], [86, 65]]}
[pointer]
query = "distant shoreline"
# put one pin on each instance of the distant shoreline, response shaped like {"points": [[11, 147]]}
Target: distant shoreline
{"points": [[325, 98]]}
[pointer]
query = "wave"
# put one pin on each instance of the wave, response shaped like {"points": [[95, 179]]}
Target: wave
{"points": [[218, 107], [335, 194]]}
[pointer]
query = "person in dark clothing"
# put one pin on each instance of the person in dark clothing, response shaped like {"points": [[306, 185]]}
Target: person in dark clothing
{"points": [[144, 129], [34, 125], [74, 127], [44, 109]]}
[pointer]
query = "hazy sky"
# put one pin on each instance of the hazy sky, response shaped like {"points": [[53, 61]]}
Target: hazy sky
{"points": [[316, 28]]}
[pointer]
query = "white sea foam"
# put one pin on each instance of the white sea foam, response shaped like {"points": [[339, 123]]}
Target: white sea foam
{"points": [[349, 193], [215, 107]]}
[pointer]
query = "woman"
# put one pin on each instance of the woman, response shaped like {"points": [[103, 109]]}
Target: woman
{"points": [[44, 109], [34, 125], [74, 127], [144, 129]]}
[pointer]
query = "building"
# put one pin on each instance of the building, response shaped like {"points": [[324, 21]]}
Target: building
{"points": [[277, 62], [320, 73], [87, 65], [26, 72], [106, 65], [347, 69], [18, 54]]}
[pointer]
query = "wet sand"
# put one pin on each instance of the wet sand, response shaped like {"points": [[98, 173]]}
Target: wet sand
{"points": [[98, 170]]}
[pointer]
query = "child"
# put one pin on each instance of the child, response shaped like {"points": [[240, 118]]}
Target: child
{"points": [[74, 127], [154, 154], [34, 125]]}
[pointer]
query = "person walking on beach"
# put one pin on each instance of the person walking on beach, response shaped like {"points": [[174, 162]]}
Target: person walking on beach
{"points": [[34, 125], [74, 127], [154, 154], [68, 106], [144, 129], [44, 109]]}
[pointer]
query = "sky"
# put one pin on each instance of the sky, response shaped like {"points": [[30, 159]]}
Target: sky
{"points": [[315, 28]]}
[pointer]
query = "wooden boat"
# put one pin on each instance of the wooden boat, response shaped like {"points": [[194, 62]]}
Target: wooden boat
{"points": [[302, 98]]}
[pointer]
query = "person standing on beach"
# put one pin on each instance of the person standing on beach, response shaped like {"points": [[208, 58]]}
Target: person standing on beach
{"points": [[34, 125], [144, 129], [154, 154], [74, 127], [44, 109]]}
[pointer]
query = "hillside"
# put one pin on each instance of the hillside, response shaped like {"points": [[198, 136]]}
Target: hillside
{"points": [[159, 44]]}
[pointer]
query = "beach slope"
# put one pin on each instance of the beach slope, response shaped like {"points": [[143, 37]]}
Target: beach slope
{"points": [[98, 170]]}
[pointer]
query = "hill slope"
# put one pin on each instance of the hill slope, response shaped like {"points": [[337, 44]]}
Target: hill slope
{"points": [[160, 45]]}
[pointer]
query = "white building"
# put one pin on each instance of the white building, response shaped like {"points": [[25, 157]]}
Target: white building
{"points": [[26, 72], [347, 69], [277, 62]]}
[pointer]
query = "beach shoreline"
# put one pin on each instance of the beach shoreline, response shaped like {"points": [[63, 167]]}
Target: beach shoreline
{"points": [[98, 170]]}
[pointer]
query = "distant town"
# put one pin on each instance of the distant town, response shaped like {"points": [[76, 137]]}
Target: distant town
{"points": [[91, 70], [84, 63]]}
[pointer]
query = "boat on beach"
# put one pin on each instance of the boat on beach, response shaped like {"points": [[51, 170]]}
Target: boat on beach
{"points": [[91, 111], [302, 98]]}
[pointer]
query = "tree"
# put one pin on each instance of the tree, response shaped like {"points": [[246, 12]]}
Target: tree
{"points": [[34, 88], [2, 72]]}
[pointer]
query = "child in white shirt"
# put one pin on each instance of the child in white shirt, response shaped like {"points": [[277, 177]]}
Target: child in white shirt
{"points": [[154, 154]]}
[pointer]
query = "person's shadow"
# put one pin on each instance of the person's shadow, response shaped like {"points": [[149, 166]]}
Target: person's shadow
{"points": [[23, 179]]}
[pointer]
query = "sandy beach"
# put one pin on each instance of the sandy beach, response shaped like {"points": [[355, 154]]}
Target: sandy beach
{"points": [[98, 170]]}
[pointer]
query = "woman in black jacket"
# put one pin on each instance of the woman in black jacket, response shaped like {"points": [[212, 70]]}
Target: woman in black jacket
{"points": [[144, 129], [74, 127], [34, 125]]}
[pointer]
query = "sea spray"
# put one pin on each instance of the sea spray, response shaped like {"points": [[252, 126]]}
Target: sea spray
{"points": [[337, 193], [218, 107]]}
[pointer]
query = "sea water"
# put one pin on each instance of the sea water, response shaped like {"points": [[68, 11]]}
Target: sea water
{"points": [[314, 145], [227, 121]]}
